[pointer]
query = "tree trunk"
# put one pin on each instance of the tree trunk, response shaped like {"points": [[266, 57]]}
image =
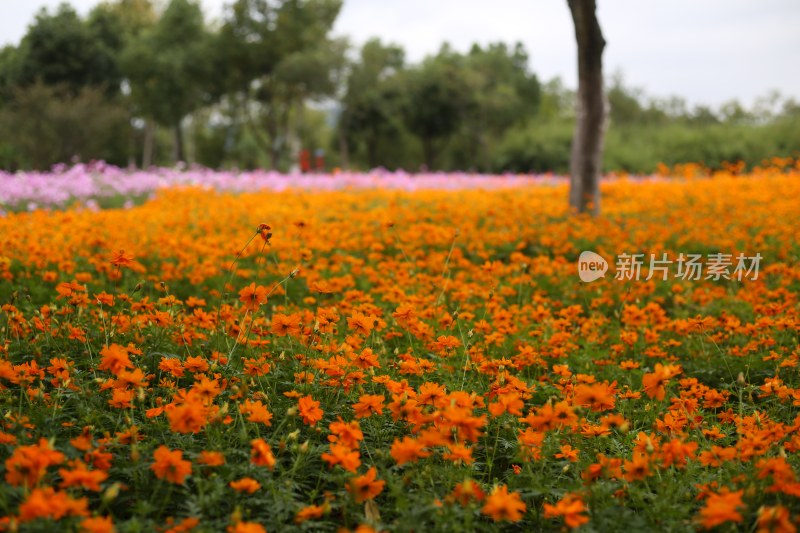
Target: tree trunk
{"points": [[372, 151], [274, 144], [132, 148], [344, 151], [429, 153], [587, 144], [178, 154], [189, 141], [274, 151], [149, 140]]}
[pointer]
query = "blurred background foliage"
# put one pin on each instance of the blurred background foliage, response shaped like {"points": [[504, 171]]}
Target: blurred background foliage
{"points": [[135, 85]]}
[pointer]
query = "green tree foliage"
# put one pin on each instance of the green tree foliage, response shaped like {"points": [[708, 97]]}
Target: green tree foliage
{"points": [[437, 103], [128, 18], [505, 94], [61, 49], [275, 55], [270, 79], [9, 72], [167, 68], [370, 107], [54, 124], [447, 112]]}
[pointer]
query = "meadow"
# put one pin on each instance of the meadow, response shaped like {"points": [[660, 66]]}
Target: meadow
{"points": [[373, 357]]}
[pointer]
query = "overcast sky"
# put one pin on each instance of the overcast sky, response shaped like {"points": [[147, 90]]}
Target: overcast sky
{"points": [[708, 51]]}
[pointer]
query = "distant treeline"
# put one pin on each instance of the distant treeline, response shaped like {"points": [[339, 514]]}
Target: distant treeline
{"points": [[132, 84]]}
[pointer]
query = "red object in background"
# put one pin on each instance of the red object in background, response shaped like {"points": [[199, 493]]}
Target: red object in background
{"points": [[319, 160], [305, 161]]}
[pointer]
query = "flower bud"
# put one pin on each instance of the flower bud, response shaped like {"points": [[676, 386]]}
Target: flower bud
{"points": [[111, 493]]}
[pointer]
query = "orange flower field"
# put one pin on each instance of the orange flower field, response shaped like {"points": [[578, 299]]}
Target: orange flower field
{"points": [[404, 361]]}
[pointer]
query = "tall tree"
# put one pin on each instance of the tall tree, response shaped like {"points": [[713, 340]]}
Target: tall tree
{"points": [[309, 74], [438, 102], [10, 67], [132, 16], [506, 94], [52, 124], [167, 68], [61, 49], [592, 110], [274, 55], [117, 23], [370, 105]]}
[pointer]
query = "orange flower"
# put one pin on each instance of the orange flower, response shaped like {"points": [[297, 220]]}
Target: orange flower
{"points": [[114, 359], [170, 465], [721, 508], [777, 468], [569, 453], [321, 287], [283, 325], [97, 524], [121, 259], [256, 412], [775, 520], [369, 404], [246, 527], [253, 296], [676, 452], [172, 365], [265, 232], [344, 456], [261, 453], [615, 420], [28, 464], [502, 505], [366, 359], [309, 512], [597, 396], [717, 455], [654, 382], [131, 379], [80, 476], [465, 492], [552, 416], [193, 364], [205, 390], [431, 393], [208, 458], [532, 442], [105, 299], [507, 403], [458, 453], [49, 503], [309, 410], [366, 487], [121, 399], [184, 526], [347, 433], [361, 323], [246, 484], [404, 313], [570, 508], [83, 442], [637, 468], [408, 451], [188, 417]]}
